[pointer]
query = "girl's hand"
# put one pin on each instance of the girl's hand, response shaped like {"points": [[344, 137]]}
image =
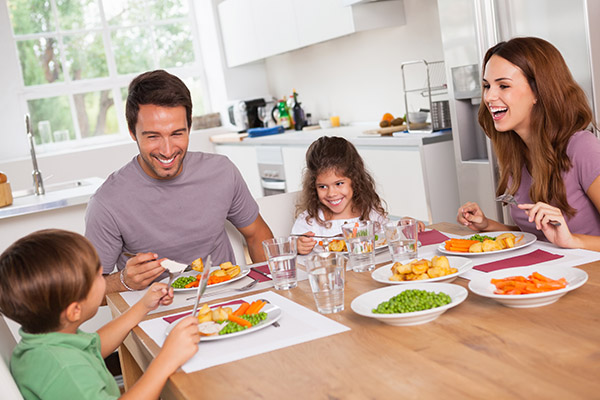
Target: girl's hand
{"points": [[542, 214], [181, 343], [420, 226], [471, 216], [157, 294], [306, 244]]}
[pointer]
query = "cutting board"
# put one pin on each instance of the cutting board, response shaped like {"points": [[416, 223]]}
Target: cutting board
{"points": [[389, 131], [386, 131], [6, 198], [228, 137]]}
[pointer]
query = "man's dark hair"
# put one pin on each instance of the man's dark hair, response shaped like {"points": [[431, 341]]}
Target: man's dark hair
{"points": [[159, 88]]}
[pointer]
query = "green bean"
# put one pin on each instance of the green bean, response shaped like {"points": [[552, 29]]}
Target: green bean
{"points": [[481, 238], [180, 282], [412, 300], [254, 319]]}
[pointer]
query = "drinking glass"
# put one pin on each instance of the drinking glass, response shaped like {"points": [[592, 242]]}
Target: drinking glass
{"points": [[281, 255], [402, 238], [326, 274], [264, 114], [360, 238]]}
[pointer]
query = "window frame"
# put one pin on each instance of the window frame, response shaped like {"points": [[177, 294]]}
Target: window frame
{"points": [[114, 82]]}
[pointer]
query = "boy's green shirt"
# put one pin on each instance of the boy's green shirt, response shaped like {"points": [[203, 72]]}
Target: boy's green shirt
{"points": [[62, 366]]}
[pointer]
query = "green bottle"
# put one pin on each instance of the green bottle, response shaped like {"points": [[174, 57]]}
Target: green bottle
{"points": [[284, 115]]}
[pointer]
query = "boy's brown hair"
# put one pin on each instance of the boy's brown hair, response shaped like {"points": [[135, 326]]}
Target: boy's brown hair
{"points": [[42, 273]]}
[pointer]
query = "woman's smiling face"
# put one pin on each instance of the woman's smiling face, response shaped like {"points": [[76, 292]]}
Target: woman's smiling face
{"points": [[508, 96], [335, 193]]}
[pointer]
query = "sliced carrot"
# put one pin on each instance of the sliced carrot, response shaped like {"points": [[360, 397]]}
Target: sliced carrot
{"points": [[241, 310], [255, 307], [240, 321], [535, 283]]}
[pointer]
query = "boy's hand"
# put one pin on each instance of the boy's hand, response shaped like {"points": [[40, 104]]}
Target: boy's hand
{"points": [[142, 269], [157, 294], [181, 343], [306, 244]]}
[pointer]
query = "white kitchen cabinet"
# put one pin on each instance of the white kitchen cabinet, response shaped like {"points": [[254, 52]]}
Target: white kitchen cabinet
{"points": [[255, 29], [238, 31], [244, 158], [294, 161], [399, 179], [278, 34], [319, 20]]}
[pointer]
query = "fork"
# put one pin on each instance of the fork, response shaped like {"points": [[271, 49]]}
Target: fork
{"points": [[508, 198], [242, 289]]}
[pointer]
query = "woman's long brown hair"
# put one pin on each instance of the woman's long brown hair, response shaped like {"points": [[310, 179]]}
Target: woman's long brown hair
{"points": [[338, 155], [561, 110]]}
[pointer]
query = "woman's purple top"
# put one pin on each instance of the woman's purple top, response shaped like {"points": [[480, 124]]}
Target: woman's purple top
{"points": [[584, 151]]}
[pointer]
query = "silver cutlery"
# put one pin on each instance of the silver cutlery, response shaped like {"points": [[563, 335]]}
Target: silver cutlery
{"points": [[202, 284], [242, 289], [508, 198], [338, 236], [260, 272], [276, 323]]}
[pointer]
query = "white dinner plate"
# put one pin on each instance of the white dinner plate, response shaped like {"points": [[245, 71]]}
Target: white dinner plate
{"points": [[366, 302], [483, 287], [245, 270], [273, 314], [383, 274], [528, 238]]}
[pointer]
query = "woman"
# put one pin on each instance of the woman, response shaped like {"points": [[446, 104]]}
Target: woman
{"points": [[536, 116]]}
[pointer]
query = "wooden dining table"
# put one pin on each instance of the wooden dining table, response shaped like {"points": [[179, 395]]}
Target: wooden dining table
{"points": [[477, 350]]}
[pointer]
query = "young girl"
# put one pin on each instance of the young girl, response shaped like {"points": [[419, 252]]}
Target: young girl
{"points": [[537, 118], [336, 189], [51, 282]]}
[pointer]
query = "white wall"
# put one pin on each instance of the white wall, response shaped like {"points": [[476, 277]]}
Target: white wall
{"points": [[358, 76]]}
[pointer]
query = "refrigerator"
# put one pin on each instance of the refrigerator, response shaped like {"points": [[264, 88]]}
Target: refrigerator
{"points": [[468, 29]]}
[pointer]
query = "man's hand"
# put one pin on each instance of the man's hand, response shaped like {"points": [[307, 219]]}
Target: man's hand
{"points": [[142, 269]]}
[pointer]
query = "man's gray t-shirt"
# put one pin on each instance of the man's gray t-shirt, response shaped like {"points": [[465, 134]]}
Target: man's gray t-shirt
{"points": [[182, 218]]}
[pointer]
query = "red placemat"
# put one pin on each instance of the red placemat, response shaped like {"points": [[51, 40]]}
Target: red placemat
{"points": [[535, 257], [175, 317], [431, 237], [257, 276]]}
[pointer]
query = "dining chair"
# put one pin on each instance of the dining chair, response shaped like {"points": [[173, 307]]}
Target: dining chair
{"points": [[8, 386], [278, 213]]}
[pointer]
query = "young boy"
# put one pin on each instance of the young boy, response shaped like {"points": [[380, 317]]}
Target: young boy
{"points": [[51, 282]]}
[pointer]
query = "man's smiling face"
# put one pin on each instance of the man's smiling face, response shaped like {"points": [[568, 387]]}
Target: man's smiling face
{"points": [[162, 135]]}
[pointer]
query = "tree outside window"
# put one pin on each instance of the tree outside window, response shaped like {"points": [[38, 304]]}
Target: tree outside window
{"points": [[77, 56]]}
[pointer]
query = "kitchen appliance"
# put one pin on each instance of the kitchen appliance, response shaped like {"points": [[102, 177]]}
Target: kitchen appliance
{"points": [[243, 114], [468, 29], [270, 169]]}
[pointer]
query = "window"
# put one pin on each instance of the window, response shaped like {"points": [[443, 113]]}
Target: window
{"points": [[77, 58]]}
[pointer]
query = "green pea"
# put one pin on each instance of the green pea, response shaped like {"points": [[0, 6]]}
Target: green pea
{"points": [[412, 300]]}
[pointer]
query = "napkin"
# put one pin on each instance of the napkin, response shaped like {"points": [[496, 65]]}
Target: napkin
{"points": [[257, 276], [535, 257], [175, 317], [432, 237]]}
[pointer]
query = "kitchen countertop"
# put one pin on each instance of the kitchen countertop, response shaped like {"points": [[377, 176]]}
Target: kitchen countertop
{"points": [[354, 134], [57, 196]]}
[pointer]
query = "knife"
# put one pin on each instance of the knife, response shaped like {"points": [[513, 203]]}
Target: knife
{"points": [[202, 284], [260, 272]]}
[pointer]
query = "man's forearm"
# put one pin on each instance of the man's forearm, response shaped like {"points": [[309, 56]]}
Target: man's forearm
{"points": [[113, 283]]}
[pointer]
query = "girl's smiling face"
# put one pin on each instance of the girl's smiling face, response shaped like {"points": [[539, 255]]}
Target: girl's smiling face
{"points": [[508, 96], [335, 193]]}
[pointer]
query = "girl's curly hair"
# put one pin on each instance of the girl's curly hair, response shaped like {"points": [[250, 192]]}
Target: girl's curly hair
{"points": [[338, 155]]}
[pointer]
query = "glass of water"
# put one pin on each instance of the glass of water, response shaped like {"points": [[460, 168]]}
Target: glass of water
{"points": [[402, 238], [360, 238], [326, 274], [281, 255]]}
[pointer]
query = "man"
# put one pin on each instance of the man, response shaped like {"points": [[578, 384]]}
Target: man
{"points": [[166, 202]]}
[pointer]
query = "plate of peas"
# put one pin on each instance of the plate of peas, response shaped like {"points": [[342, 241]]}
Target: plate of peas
{"points": [[410, 304]]}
